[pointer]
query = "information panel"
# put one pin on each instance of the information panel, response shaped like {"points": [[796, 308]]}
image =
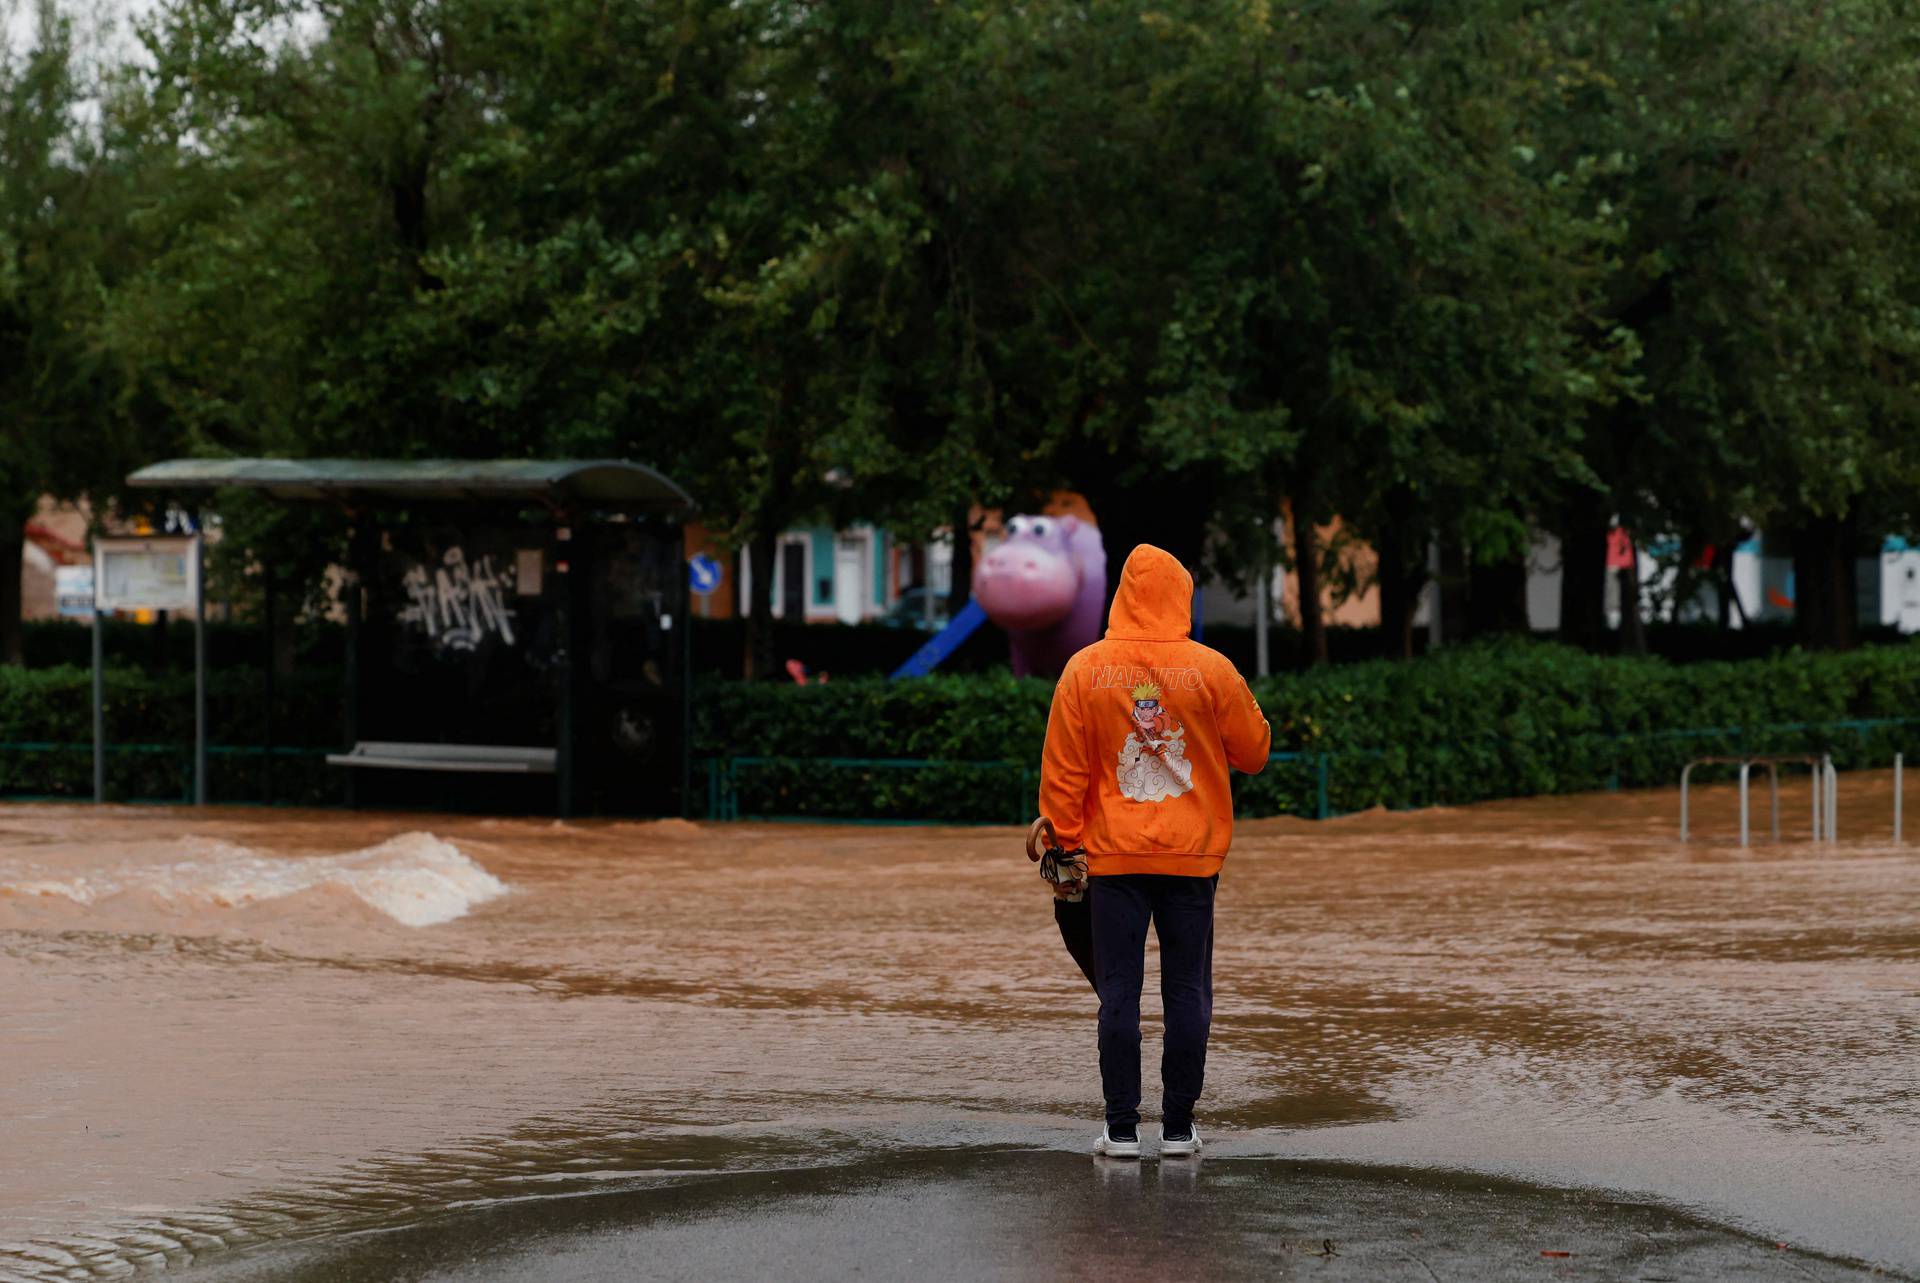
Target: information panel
{"points": [[144, 574]]}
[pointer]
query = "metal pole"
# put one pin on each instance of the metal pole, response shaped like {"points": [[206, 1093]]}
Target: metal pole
{"points": [[199, 665], [1746, 769], [1833, 802], [685, 677], [1899, 769], [99, 712], [569, 573], [352, 598], [266, 710], [1262, 609], [1773, 796], [1819, 787], [1685, 771], [926, 584]]}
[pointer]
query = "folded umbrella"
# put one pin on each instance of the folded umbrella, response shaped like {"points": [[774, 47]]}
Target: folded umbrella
{"points": [[1066, 873]]}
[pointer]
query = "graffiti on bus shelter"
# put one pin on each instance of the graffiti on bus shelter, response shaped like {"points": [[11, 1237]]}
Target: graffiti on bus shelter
{"points": [[459, 603]]}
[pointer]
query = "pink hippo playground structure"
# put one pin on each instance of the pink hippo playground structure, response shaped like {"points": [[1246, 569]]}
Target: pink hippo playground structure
{"points": [[1046, 584]]}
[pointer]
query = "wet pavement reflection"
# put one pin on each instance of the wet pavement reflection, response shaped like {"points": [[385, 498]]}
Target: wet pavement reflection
{"points": [[269, 1030], [969, 1214]]}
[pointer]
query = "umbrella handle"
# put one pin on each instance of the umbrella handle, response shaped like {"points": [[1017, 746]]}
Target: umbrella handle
{"points": [[1040, 836]]}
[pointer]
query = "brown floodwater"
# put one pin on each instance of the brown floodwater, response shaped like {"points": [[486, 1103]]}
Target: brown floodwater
{"points": [[226, 1028]]}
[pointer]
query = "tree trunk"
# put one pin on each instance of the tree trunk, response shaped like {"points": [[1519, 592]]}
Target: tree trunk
{"points": [[1396, 604], [1824, 589], [284, 641], [1583, 570], [1633, 629], [960, 586], [409, 192], [1497, 597], [13, 547], [1306, 566], [759, 661], [1721, 569], [1401, 575], [1453, 591], [1170, 514], [1731, 606]]}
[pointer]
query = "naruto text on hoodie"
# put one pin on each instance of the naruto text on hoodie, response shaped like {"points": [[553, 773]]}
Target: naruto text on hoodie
{"points": [[1144, 727]]}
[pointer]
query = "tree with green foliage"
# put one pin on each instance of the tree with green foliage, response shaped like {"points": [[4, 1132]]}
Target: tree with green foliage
{"points": [[1765, 162], [1447, 271], [72, 426], [649, 232], [1304, 256]]}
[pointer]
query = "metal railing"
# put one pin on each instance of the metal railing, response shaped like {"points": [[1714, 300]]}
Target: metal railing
{"points": [[1820, 775], [1825, 789]]}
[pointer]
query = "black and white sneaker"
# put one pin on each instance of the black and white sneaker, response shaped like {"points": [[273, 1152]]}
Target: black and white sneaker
{"points": [[1177, 1142], [1124, 1145]]}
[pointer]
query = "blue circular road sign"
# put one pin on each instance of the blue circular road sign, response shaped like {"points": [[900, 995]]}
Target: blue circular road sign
{"points": [[703, 573]]}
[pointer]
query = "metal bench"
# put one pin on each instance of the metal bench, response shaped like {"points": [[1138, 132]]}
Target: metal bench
{"points": [[499, 759]]}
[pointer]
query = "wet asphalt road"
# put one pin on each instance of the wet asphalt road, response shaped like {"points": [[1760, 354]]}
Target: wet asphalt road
{"points": [[1051, 1215]]}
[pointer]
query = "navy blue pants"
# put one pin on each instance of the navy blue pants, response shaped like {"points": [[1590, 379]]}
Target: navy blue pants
{"points": [[1181, 910]]}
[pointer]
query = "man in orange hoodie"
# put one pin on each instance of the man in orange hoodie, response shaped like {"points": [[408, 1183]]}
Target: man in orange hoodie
{"points": [[1144, 727]]}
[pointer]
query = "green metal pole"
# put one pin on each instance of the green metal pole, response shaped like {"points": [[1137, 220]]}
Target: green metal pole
{"points": [[267, 698], [350, 591], [99, 713], [685, 622], [1321, 768], [568, 574], [199, 662]]}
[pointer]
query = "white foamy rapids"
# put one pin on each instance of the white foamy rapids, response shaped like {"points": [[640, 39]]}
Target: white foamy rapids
{"points": [[416, 879]]}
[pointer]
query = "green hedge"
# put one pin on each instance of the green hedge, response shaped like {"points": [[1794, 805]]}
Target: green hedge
{"points": [[1466, 724], [49, 643], [46, 734], [1496, 720]]}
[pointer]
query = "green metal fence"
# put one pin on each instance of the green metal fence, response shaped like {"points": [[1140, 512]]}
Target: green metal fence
{"points": [[881, 790], [1005, 791], [1304, 783], [147, 774], [874, 790]]}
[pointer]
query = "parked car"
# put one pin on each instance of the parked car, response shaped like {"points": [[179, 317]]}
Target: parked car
{"points": [[911, 610]]}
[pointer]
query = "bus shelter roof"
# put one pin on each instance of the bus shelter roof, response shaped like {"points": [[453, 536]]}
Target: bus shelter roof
{"points": [[570, 484]]}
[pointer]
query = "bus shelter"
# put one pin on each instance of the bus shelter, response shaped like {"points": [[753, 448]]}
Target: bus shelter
{"points": [[517, 629]]}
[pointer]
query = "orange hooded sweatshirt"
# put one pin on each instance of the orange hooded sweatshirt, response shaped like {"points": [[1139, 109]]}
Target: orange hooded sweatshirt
{"points": [[1143, 729]]}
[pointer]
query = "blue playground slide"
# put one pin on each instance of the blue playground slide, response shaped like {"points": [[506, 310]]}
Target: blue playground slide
{"points": [[944, 642]]}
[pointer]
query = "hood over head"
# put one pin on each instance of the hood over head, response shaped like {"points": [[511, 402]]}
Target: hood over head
{"points": [[1155, 599]]}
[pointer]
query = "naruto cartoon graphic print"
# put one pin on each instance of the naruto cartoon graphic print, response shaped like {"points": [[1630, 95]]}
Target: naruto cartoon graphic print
{"points": [[1153, 761]]}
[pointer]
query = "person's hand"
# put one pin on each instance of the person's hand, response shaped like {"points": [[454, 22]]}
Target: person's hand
{"points": [[1066, 873]]}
